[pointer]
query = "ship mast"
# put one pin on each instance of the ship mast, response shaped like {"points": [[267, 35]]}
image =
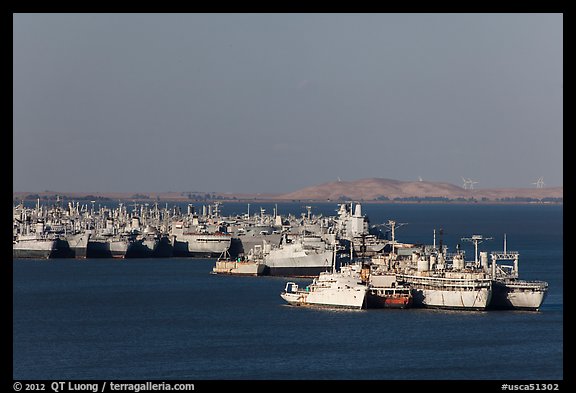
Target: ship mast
{"points": [[476, 239], [334, 259], [392, 225]]}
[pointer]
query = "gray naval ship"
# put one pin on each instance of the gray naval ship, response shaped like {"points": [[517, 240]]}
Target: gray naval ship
{"points": [[307, 248], [34, 237]]}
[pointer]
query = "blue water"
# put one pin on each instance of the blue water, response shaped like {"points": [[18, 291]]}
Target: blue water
{"points": [[171, 319]]}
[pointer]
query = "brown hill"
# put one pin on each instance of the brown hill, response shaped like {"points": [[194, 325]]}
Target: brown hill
{"points": [[373, 189], [382, 189]]}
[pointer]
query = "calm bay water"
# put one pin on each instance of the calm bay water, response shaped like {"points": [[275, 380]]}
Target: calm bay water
{"points": [[171, 319]]}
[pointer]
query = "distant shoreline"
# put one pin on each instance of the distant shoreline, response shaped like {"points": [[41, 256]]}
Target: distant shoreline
{"points": [[105, 197], [372, 190]]}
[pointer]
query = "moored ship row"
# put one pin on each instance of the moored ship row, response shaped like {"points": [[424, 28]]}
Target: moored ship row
{"points": [[263, 244], [436, 279]]}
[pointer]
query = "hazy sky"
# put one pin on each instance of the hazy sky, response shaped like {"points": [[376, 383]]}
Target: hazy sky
{"points": [[277, 102]]}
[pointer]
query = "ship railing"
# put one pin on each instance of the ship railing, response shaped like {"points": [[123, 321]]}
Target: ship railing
{"points": [[529, 283], [440, 282], [501, 255]]}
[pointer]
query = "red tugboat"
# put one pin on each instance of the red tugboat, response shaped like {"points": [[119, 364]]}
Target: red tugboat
{"points": [[385, 291]]}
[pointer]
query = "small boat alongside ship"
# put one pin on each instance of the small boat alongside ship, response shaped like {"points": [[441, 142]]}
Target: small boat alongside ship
{"points": [[239, 266], [386, 291]]}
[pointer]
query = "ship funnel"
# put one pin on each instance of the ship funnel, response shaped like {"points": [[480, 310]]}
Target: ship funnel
{"points": [[458, 262], [40, 228], [358, 211], [423, 264], [484, 260]]}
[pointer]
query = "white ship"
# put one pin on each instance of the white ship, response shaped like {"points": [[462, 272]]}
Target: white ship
{"points": [[342, 289], [450, 290], [301, 256], [508, 291], [436, 283]]}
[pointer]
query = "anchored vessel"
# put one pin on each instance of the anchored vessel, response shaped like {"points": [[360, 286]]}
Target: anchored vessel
{"points": [[78, 243], [39, 243], [437, 283], [240, 266], [342, 289], [31, 246], [386, 291], [302, 256], [328, 290], [453, 291], [508, 291], [199, 243]]}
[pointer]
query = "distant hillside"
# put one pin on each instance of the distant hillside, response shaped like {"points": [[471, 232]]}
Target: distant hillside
{"points": [[373, 189], [387, 189]]}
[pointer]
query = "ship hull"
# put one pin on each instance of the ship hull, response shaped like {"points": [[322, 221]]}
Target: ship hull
{"points": [[41, 249], [103, 248], [201, 245], [352, 299], [375, 300], [298, 264], [78, 244], [243, 244], [97, 249], [239, 268], [476, 300], [517, 296], [79, 252], [163, 248], [449, 293], [294, 271], [140, 249]]}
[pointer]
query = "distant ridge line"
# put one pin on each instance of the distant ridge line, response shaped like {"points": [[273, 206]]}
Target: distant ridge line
{"points": [[369, 189], [390, 189]]}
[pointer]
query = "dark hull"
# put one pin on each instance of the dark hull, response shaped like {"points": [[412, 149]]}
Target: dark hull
{"points": [[376, 301], [59, 249], [101, 249], [97, 249], [293, 271], [36, 254], [501, 299], [236, 248], [79, 252], [180, 249], [163, 249]]}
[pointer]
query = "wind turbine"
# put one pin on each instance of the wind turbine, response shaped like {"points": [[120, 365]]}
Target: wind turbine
{"points": [[539, 183], [468, 183]]}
